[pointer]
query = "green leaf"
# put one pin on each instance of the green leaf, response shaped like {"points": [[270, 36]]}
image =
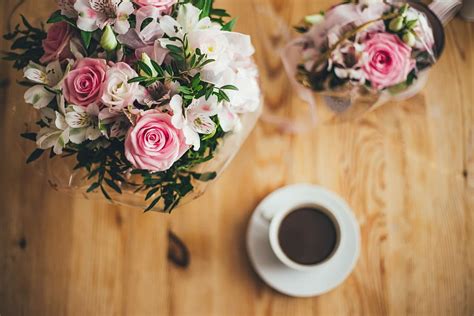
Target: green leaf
{"points": [[93, 187], [29, 136], [35, 155], [411, 24], [111, 183], [196, 80], [158, 68], [26, 23], [153, 204], [151, 193], [220, 13], [229, 26], [205, 9], [104, 192], [229, 87], [86, 38], [138, 79], [170, 204], [224, 96], [205, 177], [175, 49], [145, 68], [55, 17]]}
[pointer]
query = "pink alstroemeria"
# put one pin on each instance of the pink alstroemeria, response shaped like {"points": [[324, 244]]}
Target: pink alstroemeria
{"points": [[94, 14], [145, 40], [196, 118], [67, 8]]}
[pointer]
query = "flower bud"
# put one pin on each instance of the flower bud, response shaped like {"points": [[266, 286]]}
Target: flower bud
{"points": [[314, 19], [147, 61], [409, 38], [108, 40], [396, 24]]}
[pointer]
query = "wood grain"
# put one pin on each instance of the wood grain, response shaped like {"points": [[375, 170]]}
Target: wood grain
{"points": [[407, 170]]}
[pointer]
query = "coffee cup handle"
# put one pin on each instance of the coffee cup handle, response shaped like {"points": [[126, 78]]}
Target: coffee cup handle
{"points": [[267, 215]]}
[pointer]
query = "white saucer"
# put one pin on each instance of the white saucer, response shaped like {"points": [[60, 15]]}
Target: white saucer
{"points": [[297, 283]]}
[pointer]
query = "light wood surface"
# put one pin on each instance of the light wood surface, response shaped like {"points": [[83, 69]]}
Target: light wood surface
{"points": [[407, 170]]}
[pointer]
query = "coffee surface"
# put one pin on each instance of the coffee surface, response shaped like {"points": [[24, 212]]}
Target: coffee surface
{"points": [[307, 236]]}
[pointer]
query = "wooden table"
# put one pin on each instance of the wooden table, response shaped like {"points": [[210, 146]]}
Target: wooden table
{"points": [[407, 170]]}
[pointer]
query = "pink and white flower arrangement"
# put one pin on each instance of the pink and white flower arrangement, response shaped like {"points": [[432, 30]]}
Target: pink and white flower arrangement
{"points": [[362, 47], [139, 91]]}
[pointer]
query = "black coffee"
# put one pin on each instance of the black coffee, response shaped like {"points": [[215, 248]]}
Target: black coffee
{"points": [[308, 236]]}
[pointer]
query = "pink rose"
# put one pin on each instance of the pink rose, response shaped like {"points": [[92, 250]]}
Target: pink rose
{"points": [[163, 6], [84, 85], [154, 144], [56, 44], [389, 60]]}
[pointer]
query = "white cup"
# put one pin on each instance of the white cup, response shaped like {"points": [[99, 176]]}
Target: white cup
{"points": [[275, 224]]}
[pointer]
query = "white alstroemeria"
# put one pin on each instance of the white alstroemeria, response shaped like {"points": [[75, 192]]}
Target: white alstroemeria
{"points": [[229, 120], [196, 118], [67, 8], [94, 14], [56, 134], [187, 21], [50, 76], [72, 124], [83, 123]]}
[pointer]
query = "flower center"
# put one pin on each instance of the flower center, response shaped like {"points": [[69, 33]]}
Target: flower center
{"points": [[383, 58]]}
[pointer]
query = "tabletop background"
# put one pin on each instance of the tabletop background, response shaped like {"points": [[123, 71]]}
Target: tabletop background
{"points": [[407, 170]]}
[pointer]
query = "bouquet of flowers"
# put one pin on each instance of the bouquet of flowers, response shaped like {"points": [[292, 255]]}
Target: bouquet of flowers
{"points": [[139, 92], [365, 50]]}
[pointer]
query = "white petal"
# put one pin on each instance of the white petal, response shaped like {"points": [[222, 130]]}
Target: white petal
{"points": [[93, 133], [176, 105], [86, 24], [192, 137], [87, 17], [205, 107], [188, 17], [47, 137], [54, 72], [77, 135], [171, 27], [203, 124], [122, 26], [35, 75], [227, 118], [38, 96], [60, 122], [341, 73], [77, 120]]}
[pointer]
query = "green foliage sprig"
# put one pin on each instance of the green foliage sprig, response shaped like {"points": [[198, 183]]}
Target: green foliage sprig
{"points": [[27, 44]]}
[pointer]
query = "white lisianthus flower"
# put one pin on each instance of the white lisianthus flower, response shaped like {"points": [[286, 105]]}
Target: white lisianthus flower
{"points": [[50, 76], [232, 65], [118, 93], [186, 22], [196, 118]]}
